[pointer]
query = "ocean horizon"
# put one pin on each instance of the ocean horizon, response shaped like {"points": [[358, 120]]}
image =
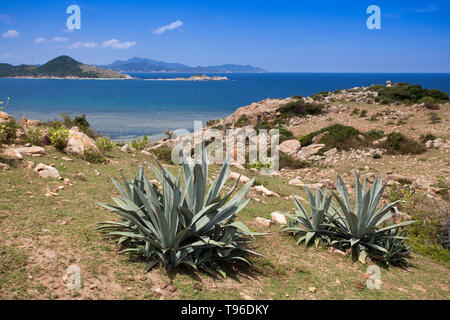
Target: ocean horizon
{"points": [[125, 109]]}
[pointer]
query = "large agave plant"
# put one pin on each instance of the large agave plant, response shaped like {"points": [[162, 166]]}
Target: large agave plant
{"points": [[183, 224], [310, 227], [359, 227]]}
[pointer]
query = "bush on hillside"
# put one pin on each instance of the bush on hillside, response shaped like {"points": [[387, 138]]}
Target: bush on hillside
{"points": [[407, 94], [340, 137], [8, 131], [284, 133], [397, 143], [299, 109]]}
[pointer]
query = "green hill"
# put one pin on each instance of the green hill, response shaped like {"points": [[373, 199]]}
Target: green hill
{"points": [[60, 67]]}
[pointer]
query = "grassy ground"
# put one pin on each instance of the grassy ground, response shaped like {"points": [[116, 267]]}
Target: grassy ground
{"points": [[42, 236]]}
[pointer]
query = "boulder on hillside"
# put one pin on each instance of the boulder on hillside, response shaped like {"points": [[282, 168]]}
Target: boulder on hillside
{"points": [[45, 171], [78, 142], [290, 147], [309, 151]]}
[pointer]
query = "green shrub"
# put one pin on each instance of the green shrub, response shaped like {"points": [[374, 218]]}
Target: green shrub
{"points": [[242, 121], [34, 136], [260, 163], [299, 109], [104, 144], [340, 137], [429, 103], [284, 134], [407, 94], [139, 144], [80, 122], [285, 161], [429, 237], [298, 96], [363, 114], [397, 143], [58, 136], [374, 134], [218, 127], [427, 137], [163, 153], [93, 156], [320, 95], [8, 131], [210, 123], [190, 225]]}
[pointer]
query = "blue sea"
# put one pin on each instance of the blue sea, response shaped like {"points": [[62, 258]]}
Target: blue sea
{"points": [[124, 109]]}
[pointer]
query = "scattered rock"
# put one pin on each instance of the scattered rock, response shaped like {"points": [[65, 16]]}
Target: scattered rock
{"points": [[265, 223], [30, 164], [266, 192], [170, 287], [278, 217], [4, 117], [45, 171], [312, 289], [81, 176], [67, 159], [330, 152], [197, 286], [235, 176]]}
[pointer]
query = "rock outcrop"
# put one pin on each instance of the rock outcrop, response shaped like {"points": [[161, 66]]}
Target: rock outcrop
{"points": [[79, 142], [19, 152], [290, 147], [309, 151]]}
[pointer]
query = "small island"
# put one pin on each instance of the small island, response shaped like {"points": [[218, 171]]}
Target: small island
{"points": [[62, 67], [197, 77]]}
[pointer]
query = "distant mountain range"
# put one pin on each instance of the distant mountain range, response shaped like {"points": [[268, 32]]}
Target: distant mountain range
{"points": [[60, 67], [142, 65]]}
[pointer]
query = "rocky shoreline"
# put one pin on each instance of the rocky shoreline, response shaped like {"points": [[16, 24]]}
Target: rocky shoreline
{"points": [[192, 78]]}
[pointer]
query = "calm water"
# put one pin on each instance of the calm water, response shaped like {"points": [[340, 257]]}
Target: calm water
{"points": [[130, 108]]}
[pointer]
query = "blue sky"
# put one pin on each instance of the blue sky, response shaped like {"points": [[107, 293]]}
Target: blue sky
{"points": [[280, 36]]}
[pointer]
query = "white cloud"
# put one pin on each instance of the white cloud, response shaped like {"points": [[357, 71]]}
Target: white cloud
{"points": [[59, 39], [39, 40], [11, 34], [171, 26], [90, 45], [116, 44], [78, 45]]}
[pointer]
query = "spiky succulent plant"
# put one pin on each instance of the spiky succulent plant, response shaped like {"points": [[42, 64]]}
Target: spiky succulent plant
{"points": [[310, 227], [183, 223], [359, 227]]}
